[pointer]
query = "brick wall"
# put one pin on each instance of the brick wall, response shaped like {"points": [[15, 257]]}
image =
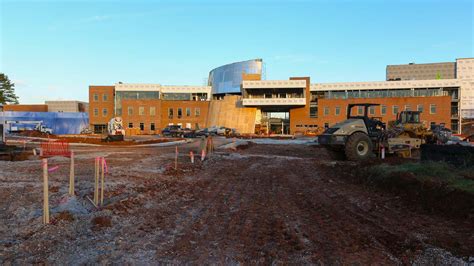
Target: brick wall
{"points": [[97, 104], [300, 117]]}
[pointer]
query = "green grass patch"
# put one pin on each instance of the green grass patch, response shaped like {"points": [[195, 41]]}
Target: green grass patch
{"points": [[461, 179]]}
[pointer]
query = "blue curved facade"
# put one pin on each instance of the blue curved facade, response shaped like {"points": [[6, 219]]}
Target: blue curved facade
{"points": [[227, 78]]}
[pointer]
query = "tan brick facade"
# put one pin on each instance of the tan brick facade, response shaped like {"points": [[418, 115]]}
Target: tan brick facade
{"points": [[26, 107]]}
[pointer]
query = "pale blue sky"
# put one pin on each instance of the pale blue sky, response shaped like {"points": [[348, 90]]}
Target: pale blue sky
{"points": [[56, 49]]}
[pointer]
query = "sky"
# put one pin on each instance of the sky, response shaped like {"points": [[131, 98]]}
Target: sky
{"points": [[53, 50]]}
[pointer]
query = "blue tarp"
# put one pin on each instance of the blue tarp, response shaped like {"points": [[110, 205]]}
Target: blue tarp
{"points": [[60, 123]]}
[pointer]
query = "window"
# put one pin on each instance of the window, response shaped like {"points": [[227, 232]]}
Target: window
{"points": [[130, 125], [326, 125], [188, 111], [337, 111], [96, 97], [180, 112], [96, 112], [104, 112], [372, 110], [197, 112], [432, 108], [419, 107], [395, 109], [105, 97], [130, 110], [313, 111], [326, 110], [142, 126], [407, 107], [141, 110], [152, 111], [383, 110], [360, 110], [152, 126]]}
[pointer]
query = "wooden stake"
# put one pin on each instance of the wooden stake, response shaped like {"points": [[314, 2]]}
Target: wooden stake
{"points": [[71, 175], [203, 154], [96, 182], [191, 155], [176, 159], [102, 181], [45, 192]]}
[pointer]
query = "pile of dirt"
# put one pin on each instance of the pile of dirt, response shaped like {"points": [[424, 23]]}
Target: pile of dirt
{"points": [[99, 141], [36, 134], [428, 195]]}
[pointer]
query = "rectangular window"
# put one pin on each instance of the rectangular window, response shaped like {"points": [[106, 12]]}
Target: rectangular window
{"points": [[152, 126], [432, 108], [383, 110], [105, 97], [188, 111], [96, 112], [395, 109], [142, 126], [419, 107], [152, 111], [130, 125], [180, 112], [372, 110], [338, 110], [170, 113], [130, 110], [104, 112], [313, 111], [197, 112], [141, 110], [326, 110], [407, 107], [96, 97]]}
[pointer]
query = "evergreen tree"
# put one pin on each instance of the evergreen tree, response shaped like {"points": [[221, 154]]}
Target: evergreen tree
{"points": [[7, 91]]}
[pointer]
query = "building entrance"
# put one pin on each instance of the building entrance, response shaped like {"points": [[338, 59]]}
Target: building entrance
{"points": [[275, 123]]}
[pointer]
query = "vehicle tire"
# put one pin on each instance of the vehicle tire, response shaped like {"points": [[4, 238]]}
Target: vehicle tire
{"points": [[358, 147]]}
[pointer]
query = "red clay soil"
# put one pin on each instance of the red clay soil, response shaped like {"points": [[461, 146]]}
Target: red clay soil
{"points": [[267, 204], [114, 143], [36, 134]]}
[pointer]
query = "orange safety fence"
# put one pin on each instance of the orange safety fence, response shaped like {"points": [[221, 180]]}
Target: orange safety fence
{"points": [[55, 148]]}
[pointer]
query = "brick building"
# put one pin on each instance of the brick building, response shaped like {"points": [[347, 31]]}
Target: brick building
{"points": [[149, 107], [444, 92]]}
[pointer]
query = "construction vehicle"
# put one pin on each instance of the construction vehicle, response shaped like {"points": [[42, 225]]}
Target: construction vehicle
{"points": [[115, 130], [22, 125], [356, 137], [359, 136]]}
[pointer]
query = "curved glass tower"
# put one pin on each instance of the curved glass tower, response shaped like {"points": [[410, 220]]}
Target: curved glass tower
{"points": [[227, 78]]}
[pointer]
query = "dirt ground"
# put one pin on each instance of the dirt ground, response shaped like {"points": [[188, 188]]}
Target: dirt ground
{"points": [[259, 204]]}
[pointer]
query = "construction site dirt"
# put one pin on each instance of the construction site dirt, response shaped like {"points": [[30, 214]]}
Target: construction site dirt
{"points": [[258, 203]]}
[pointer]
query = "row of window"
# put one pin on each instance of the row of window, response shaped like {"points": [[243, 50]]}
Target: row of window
{"points": [[313, 110], [152, 111], [153, 127], [104, 112], [179, 112], [105, 97]]}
